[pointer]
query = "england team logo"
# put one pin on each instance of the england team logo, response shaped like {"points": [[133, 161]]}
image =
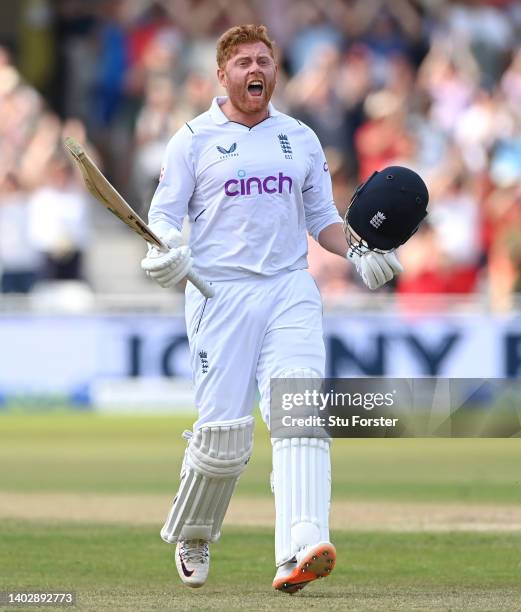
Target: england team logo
{"points": [[203, 356], [285, 145], [377, 219]]}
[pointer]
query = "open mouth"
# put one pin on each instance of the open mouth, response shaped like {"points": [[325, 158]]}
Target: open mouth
{"points": [[255, 88]]}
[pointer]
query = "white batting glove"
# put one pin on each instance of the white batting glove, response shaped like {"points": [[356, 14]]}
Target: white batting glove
{"points": [[167, 269], [375, 268]]}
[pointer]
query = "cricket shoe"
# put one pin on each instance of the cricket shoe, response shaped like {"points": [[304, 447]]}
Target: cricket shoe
{"points": [[192, 559], [308, 564]]}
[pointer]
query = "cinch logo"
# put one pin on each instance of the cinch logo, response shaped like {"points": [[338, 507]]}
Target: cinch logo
{"points": [[256, 185]]}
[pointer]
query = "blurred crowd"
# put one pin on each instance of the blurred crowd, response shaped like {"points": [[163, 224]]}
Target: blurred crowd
{"points": [[430, 84]]}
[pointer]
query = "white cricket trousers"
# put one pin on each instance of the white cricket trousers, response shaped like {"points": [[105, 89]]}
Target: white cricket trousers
{"points": [[249, 332]]}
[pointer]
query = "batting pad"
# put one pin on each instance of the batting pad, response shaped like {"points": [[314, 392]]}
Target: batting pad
{"points": [[301, 483], [216, 456]]}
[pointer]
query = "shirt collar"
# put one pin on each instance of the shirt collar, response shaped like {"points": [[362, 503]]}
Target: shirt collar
{"points": [[220, 118]]}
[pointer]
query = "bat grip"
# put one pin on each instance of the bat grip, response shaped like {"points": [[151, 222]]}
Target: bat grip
{"points": [[192, 276], [201, 284]]}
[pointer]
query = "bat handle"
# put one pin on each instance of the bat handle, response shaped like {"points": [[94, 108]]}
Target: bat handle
{"points": [[192, 276], [201, 284]]}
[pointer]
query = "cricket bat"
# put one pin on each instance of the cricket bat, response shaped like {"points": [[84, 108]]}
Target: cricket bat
{"points": [[105, 193]]}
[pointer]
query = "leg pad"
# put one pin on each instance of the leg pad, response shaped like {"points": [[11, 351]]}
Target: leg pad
{"points": [[216, 456]]}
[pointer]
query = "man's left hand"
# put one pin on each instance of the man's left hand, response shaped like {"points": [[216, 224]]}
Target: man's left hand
{"points": [[375, 268]]}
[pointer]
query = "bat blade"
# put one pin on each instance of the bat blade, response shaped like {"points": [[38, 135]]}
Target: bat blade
{"points": [[105, 193]]}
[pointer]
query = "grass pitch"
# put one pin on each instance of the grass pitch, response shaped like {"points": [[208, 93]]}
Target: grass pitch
{"points": [[103, 454], [125, 566], [129, 568]]}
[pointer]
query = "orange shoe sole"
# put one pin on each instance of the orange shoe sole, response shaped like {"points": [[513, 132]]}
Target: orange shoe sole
{"points": [[318, 563]]}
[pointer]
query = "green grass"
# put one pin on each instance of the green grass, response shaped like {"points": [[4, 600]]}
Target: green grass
{"points": [[122, 567], [126, 567], [91, 453]]}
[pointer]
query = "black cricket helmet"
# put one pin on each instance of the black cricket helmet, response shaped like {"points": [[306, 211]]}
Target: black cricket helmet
{"points": [[387, 209]]}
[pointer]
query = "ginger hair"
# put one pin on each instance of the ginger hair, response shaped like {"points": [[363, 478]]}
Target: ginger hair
{"points": [[238, 35]]}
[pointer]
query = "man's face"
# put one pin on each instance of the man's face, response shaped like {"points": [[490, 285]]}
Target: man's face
{"points": [[249, 77]]}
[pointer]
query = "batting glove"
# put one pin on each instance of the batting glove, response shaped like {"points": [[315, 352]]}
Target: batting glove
{"points": [[167, 269], [375, 268]]}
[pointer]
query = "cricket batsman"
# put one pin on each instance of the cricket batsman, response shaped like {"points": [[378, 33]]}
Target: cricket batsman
{"points": [[253, 182]]}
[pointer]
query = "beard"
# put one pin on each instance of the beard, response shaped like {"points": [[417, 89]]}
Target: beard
{"points": [[247, 103]]}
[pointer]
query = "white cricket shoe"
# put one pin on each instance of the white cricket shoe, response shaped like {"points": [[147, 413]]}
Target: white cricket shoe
{"points": [[192, 559], [310, 563]]}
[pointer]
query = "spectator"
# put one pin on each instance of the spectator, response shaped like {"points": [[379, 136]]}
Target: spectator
{"points": [[315, 99], [154, 124], [58, 223], [383, 139], [314, 32], [436, 87], [19, 261]]}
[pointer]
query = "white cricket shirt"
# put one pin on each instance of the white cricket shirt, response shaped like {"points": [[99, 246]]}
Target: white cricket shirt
{"points": [[251, 194]]}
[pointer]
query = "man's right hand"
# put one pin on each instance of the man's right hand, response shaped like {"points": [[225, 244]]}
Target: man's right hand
{"points": [[168, 269]]}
